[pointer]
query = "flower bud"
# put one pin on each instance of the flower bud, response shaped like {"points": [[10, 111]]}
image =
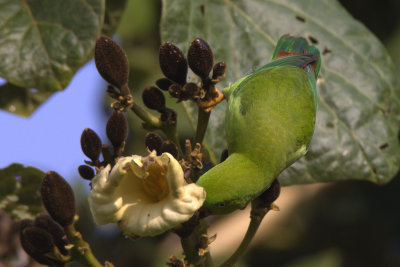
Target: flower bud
{"points": [[163, 83], [28, 247], [91, 144], [117, 128], [175, 90], [153, 142], [153, 98], [111, 61], [45, 222], [218, 70], [170, 115], [171, 148], [86, 172], [173, 63], [200, 58], [189, 91], [58, 198], [37, 238]]}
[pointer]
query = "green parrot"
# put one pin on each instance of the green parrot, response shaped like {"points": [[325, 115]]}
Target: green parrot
{"points": [[269, 124]]}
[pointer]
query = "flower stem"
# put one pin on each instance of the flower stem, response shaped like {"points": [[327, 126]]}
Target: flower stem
{"points": [[80, 252], [146, 116], [256, 217], [202, 123]]}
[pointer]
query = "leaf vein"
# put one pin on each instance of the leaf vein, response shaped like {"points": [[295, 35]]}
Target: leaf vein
{"points": [[354, 137]]}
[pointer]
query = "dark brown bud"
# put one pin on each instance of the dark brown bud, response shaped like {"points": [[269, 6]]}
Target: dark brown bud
{"points": [[91, 144], [272, 193], [173, 63], [86, 172], [153, 142], [45, 222], [164, 83], [25, 223], [169, 115], [175, 90], [153, 98], [224, 155], [219, 70], [189, 91], [200, 58], [171, 148], [111, 61], [28, 247], [117, 128], [58, 198], [38, 238]]}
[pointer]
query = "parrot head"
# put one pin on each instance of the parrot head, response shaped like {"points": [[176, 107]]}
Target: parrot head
{"points": [[220, 201], [229, 185]]}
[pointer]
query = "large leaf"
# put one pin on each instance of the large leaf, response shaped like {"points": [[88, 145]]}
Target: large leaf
{"points": [[44, 42], [19, 100], [113, 14], [356, 135], [20, 191]]}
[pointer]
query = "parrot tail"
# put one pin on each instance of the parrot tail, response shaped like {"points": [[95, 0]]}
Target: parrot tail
{"points": [[289, 45]]}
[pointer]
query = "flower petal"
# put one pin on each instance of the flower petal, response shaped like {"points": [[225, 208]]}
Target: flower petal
{"points": [[119, 196]]}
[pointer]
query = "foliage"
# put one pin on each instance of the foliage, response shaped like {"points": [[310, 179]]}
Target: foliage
{"points": [[42, 46], [20, 191]]}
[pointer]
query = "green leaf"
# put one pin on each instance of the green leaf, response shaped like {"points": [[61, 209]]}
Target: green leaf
{"points": [[113, 14], [20, 191], [21, 101], [43, 42], [356, 135]]}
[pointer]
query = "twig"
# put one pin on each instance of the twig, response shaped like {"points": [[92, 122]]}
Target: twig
{"points": [[202, 123], [256, 216], [80, 251]]}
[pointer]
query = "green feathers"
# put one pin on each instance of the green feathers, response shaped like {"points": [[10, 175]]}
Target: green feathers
{"points": [[269, 124]]}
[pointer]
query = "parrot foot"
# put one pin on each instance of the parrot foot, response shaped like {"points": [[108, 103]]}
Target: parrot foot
{"points": [[208, 105], [274, 207]]}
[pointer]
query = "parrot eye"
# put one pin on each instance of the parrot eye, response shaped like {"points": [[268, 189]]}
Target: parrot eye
{"points": [[221, 204]]}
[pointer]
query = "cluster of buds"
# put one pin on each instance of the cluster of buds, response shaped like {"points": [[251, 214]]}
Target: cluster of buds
{"points": [[44, 238], [112, 64], [92, 147], [200, 59], [154, 142]]}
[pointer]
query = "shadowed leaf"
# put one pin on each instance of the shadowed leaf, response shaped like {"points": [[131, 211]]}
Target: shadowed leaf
{"points": [[20, 191], [42, 45]]}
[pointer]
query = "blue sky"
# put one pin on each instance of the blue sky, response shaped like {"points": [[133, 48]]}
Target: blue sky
{"points": [[50, 138]]}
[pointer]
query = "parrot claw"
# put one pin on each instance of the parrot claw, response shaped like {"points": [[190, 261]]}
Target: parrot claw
{"points": [[208, 105], [274, 207]]}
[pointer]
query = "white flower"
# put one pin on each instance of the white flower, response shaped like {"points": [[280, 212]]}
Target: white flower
{"points": [[145, 195]]}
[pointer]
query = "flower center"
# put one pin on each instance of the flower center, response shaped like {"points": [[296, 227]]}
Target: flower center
{"points": [[155, 184]]}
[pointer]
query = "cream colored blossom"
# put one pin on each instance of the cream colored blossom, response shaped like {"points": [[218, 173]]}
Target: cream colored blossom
{"points": [[145, 195]]}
